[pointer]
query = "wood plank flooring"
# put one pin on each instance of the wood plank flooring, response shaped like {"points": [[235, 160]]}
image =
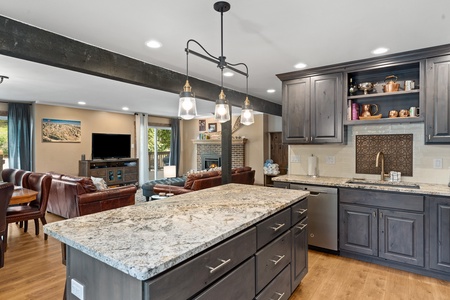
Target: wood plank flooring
{"points": [[33, 271]]}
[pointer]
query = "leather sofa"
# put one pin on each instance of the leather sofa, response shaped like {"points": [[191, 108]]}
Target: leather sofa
{"points": [[72, 196], [203, 180]]}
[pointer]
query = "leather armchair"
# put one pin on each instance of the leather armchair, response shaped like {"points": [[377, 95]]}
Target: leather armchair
{"points": [[16, 176]]}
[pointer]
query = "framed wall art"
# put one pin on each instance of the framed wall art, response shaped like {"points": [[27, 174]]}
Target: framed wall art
{"points": [[61, 131]]}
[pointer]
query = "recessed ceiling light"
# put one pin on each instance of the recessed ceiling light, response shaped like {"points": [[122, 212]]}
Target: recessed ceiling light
{"points": [[300, 66], [153, 44], [380, 50], [228, 74], [271, 91], [81, 103], [125, 108]]}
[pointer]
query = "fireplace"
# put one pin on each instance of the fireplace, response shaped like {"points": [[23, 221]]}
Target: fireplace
{"points": [[212, 150], [211, 161]]}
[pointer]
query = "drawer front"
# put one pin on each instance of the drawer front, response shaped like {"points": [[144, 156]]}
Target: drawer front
{"points": [[193, 276], [273, 227], [98, 172], [279, 288], [382, 199], [130, 170], [299, 211], [239, 284], [272, 259]]}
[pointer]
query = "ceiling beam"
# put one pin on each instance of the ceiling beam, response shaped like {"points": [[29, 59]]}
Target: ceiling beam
{"points": [[30, 43]]}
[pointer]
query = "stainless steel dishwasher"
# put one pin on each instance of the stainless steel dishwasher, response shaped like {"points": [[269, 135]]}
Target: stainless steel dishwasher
{"points": [[322, 216]]}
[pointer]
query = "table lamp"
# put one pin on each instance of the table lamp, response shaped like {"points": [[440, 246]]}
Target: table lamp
{"points": [[170, 172]]}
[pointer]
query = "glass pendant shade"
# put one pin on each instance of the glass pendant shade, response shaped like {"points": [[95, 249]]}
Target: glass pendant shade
{"points": [[222, 111], [247, 113], [187, 108]]}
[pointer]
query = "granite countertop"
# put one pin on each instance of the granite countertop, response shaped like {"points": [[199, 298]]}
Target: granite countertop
{"points": [[405, 187], [144, 240]]}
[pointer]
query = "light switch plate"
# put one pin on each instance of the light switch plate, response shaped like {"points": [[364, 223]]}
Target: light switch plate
{"points": [[295, 158], [437, 163], [77, 289], [330, 160]]}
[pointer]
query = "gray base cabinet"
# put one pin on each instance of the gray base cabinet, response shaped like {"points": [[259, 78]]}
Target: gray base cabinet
{"points": [[372, 227], [439, 233]]}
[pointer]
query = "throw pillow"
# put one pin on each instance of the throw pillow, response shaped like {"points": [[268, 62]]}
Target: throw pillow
{"points": [[99, 183]]}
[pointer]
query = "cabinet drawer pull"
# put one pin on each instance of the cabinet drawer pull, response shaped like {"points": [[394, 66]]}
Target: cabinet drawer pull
{"points": [[302, 211], [278, 226], [213, 269], [381, 215], [278, 294], [301, 226], [280, 257], [374, 214]]}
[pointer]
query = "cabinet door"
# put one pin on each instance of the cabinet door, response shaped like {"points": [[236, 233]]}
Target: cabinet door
{"points": [[440, 233], [358, 229], [326, 108], [401, 237], [296, 111], [438, 100], [299, 263]]}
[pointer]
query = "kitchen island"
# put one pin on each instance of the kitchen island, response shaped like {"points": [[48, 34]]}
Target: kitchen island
{"points": [[137, 252]]}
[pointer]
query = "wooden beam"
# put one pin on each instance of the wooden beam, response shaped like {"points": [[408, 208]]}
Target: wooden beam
{"points": [[26, 42]]}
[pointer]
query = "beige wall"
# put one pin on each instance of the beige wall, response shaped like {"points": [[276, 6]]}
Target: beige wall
{"points": [[423, 155], [64, 157], [255, 148]]}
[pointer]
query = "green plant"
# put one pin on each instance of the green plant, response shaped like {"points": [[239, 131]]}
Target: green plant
{"points": [[4, 137], [162, 139]]}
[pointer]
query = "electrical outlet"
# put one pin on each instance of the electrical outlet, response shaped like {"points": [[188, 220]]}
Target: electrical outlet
{"points": [[295, 158], [330, 160], [77, 289], [437, 163]]}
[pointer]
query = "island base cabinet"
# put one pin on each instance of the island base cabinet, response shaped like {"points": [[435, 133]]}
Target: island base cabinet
{"points": [[440, 234], [239, 284], [100, 281], [299, 263], [278, 289]]}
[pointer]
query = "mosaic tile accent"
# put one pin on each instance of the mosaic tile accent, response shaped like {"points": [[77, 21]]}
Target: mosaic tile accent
{"points": [[397, 149]]}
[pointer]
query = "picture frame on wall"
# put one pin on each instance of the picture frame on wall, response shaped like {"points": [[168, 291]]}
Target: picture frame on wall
{"points": [[212, 127], [201, 125], [61, 131]]}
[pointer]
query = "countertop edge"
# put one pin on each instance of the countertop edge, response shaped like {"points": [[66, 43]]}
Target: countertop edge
{"points": [[426, 189]]}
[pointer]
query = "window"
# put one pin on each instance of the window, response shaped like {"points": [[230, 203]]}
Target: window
{"points": [[3, 136], [158, 150]]}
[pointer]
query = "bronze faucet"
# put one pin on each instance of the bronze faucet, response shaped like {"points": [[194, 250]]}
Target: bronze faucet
{"points": [[380, 154]]}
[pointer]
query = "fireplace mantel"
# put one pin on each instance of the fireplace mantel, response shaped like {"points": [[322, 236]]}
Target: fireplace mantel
{"points": [[218, 141]]}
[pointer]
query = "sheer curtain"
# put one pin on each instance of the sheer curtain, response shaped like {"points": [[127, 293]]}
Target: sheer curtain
{"points": [[20, 128], [141, 121], [175, 144]]}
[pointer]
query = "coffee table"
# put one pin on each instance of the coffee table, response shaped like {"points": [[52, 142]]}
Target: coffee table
{"points": [[158, 197]]}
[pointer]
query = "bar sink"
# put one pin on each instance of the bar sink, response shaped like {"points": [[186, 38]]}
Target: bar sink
{"points": [[405, 185]]}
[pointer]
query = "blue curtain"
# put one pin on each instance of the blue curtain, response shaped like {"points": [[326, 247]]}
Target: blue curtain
{"points": [[174, 158], [19, 136]]}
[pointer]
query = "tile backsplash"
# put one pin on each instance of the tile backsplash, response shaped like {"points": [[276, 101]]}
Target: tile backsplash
{"points": [[344, 154], [397, 150]]}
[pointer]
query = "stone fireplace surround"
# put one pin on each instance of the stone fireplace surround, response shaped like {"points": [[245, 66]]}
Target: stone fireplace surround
{"points": [[212, 147]]}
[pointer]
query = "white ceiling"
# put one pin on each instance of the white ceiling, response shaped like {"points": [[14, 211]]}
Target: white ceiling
{"points": [[269, 36]]}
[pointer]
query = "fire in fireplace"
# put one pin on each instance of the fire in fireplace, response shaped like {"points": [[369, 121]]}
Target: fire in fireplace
{"points": [[211, 161]]}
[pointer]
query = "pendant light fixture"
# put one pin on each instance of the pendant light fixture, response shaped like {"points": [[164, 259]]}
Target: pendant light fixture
{"points": [[187, 109]]}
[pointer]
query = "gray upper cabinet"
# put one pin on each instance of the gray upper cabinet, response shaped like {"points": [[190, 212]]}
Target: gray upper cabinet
{"points": [[438, 100], [312, 109]]}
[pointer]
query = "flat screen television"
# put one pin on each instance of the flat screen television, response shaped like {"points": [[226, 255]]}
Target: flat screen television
{"points": [[107, 145]]}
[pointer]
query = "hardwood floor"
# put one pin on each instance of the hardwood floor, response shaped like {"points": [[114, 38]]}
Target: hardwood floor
{"points": [[335, 277], [33, 270]]}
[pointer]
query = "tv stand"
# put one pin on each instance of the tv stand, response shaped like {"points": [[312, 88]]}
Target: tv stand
{"points": [[113, 171]]}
